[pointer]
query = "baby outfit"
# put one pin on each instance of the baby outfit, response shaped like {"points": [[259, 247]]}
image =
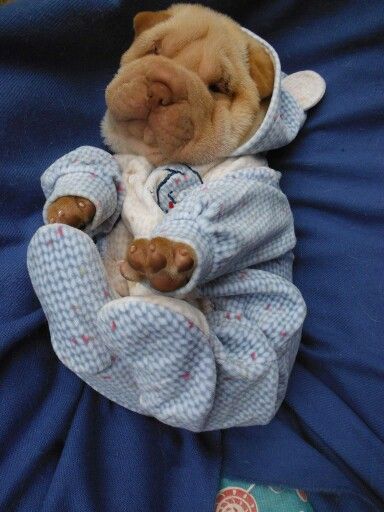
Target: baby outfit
{"points": [[218, 352]]}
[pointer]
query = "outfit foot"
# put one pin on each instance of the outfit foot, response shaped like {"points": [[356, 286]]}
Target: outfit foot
{"points": [[70, 282], [166, 346]]}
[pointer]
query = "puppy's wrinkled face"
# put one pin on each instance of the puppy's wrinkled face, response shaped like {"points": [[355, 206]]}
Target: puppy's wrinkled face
{"points": [[191, 88]]}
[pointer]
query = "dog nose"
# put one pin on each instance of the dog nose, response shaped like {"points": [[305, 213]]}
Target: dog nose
{"points": [[159, 94]]}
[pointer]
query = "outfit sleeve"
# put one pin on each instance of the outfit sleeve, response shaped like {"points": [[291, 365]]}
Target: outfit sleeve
{"points": [[91, 173], [232, 223]]}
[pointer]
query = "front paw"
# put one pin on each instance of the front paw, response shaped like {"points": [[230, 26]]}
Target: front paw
{"points": [[167, 265], [72, 210]]}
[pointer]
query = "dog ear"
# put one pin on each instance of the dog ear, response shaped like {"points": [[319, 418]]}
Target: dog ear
{"points": [[261, 69], [147, 19]]}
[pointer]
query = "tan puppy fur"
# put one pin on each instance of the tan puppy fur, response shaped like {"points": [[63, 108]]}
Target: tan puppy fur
{"points": [[189, 89]]}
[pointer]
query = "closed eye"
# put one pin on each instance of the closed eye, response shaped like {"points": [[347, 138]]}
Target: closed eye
{"points": [[220, 87], [154, 49]]}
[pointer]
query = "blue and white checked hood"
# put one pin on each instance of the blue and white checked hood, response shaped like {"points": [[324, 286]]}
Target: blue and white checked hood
{"points": [[291, 96]]}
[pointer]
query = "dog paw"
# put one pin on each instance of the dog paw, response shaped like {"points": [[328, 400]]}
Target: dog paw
{"points": [[167, 265], [72, 210]]}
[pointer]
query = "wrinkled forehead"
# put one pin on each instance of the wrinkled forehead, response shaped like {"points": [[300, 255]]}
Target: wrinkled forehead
{"points": [[206, 48]]}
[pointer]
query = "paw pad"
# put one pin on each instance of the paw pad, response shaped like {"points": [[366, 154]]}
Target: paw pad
{"points": [[167, 265]]}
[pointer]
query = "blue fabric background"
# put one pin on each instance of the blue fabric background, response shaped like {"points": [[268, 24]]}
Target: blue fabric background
{"points": [[63, 447]]}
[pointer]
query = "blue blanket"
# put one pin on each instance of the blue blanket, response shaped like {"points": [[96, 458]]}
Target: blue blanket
{"points": [[63, 447]]}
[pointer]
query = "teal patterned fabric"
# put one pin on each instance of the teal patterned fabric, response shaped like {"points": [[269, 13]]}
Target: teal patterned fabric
{"points": [[240, 496]]}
